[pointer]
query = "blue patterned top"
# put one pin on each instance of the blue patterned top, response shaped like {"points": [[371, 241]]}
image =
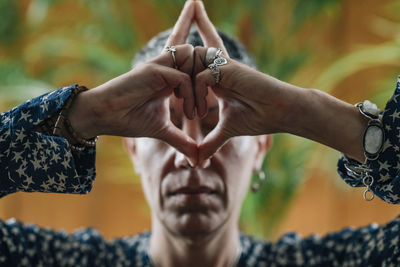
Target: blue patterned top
{"points": [[31, 161], [34, 162]]}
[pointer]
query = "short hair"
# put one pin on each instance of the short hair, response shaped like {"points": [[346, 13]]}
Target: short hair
{"points": [[153, 48]]}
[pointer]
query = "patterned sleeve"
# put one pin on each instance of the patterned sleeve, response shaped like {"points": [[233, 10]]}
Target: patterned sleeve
{"points": [[29, 245], [31, 161], [385, 169], [372, 245]]}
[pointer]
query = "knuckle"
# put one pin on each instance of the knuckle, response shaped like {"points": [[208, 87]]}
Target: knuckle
{"points": [[188, 47], [151, 68], [199, 50], [173, 36], [200, 77], [185, 78]]}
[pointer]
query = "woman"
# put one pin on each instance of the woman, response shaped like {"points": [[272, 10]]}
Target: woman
{"points": [[195, 191]]}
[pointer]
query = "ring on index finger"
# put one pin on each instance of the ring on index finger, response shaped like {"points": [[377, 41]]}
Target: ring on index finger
{"points": [[172, 49], [211, 54]]}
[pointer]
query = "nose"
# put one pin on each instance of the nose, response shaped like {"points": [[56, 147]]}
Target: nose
{"points": [[193, 129]]}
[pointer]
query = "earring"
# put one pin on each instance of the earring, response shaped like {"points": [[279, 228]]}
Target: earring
{"points": [[260, 180]]}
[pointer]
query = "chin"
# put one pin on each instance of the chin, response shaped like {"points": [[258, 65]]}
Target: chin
{"points": [[193, 225]]}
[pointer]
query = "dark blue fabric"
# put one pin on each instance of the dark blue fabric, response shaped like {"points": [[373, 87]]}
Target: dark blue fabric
{"points": [[30, 245], [34, 162]]}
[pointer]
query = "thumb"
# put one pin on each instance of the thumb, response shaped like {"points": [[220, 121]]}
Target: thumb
{"points": [[212, 143], [181, 141]]}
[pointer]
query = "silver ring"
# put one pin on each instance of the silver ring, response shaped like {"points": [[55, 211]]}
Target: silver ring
{"points": [[172, 49], [214, 67], [211, 54], [215, 72]]}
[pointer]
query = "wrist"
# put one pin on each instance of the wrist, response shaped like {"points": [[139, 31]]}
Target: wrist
{"points": [[82, 117]]}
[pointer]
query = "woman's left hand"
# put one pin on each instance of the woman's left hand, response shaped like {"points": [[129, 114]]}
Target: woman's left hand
{"points": [[250, 102]]}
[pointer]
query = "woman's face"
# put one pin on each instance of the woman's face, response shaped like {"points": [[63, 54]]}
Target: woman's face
{"points": [[196, 201]]}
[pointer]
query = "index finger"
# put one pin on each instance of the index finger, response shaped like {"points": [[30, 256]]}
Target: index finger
{"points": [[182, 26], [207, 31]]}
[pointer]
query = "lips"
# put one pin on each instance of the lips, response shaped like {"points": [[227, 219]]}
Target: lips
{"points": [[192, 191]]}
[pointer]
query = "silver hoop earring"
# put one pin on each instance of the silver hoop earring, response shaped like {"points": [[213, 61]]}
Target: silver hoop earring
{"points": [[260, 179]]}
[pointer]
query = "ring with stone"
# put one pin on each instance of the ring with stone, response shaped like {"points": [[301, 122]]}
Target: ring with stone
{"points": [[214, 67], [172, 49], [211, 54]]}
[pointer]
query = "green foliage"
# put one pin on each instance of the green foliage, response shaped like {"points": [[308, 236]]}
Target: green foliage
{"points": [[310, 8], [368, 57], [16, 82], [9, 26], [113, 20]]}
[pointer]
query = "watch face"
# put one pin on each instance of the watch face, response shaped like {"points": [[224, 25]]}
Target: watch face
{"points": [[373, 140]]}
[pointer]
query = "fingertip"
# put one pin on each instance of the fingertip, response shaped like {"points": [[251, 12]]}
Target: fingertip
{"points": [[188, 3], [200, 3]]}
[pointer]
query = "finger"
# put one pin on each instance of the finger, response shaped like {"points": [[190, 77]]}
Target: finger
{"points": [[212, 143], [203, 81], [183, 58], [181, 84], [182, 142], [199, 64], [182, 26], [207, 31]]}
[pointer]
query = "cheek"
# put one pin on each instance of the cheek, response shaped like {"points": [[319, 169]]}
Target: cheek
{"points": [[151, 156], [239, 156], [148, 148], [239, 153]]}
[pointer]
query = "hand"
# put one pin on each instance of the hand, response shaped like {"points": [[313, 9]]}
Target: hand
{"points": [[253, 103], [250, 102], [135, 104]]}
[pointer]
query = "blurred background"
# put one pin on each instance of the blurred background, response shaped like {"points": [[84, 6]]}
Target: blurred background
{"points": [[348, 48]]}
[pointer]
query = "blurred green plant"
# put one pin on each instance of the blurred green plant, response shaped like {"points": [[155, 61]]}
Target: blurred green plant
{"points": [[9, 26]]}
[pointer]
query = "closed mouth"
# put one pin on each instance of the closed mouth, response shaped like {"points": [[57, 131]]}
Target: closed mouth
{"points": [[193, 191]]}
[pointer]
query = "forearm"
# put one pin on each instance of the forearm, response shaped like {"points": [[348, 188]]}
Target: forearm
{"points": [[323, 118]]}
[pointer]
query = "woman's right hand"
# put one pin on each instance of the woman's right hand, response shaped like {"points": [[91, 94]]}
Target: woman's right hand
{"points": [[135, 104]]}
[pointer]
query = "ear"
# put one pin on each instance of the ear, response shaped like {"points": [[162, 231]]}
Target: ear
{"points": [[264, 142], [130, 147]]}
